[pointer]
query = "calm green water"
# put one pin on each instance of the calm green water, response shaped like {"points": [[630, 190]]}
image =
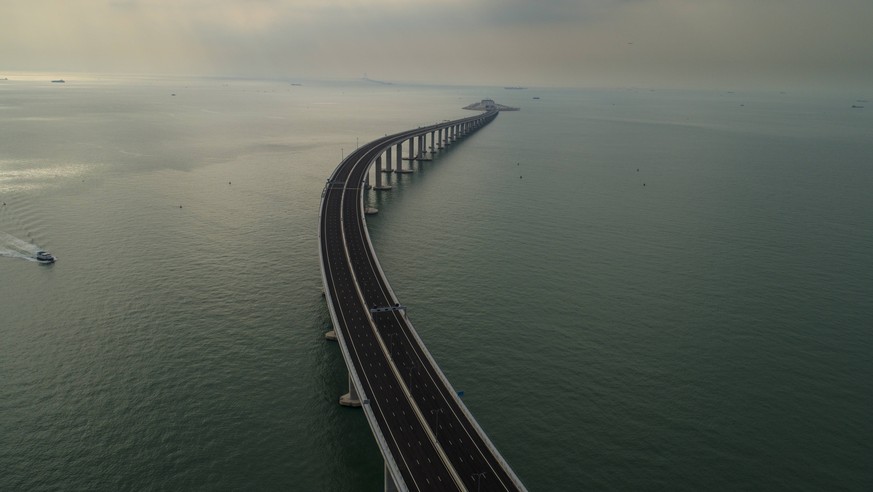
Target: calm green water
{"points": [[634, 289]]}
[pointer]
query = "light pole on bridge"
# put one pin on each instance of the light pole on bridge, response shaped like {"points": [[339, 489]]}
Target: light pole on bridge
{"points": [[391, 345], [437, 411], [478, 478]]}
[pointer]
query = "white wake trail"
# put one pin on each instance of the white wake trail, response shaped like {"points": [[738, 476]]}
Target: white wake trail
{"points": [[9, 253], [14, 247]]}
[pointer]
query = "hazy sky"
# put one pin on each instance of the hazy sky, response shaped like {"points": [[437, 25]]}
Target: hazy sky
{"points": [[683, 43]]}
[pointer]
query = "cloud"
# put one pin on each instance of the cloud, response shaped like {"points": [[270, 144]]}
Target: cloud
{"points": [[552, 42]]}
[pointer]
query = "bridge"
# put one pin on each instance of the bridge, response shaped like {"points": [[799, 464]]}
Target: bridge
{"points": [[428, 438]]}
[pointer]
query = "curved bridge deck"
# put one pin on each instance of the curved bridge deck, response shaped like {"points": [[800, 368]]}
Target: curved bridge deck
{"points": [[428, 438]]}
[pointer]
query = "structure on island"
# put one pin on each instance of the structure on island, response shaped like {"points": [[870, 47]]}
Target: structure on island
{"points": [[489, 105]]}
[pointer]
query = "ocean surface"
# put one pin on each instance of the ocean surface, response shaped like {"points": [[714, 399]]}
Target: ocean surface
{"points": [[635, 289]]}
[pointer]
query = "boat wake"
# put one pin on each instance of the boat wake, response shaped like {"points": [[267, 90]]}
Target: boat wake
{"points": [[13, 247]]}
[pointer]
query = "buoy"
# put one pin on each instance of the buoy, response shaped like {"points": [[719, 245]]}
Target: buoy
{"points": [[180, 206]]}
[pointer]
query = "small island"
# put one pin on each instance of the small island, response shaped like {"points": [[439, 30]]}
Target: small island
{"points": [[488, 105]]}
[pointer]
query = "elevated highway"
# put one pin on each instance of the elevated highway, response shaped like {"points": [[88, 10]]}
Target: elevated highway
{"points": [[428, 438]]}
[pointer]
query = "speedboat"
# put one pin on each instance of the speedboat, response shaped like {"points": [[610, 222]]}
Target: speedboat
{"points": [[44, 257]]}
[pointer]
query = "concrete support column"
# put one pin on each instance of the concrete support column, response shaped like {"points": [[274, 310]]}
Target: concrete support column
{"points": [[350, 399], [379, 185], [398, 157], [411, 148], [432, 141], [388, 163], [401, 159], [422, 148], [378, 173]]}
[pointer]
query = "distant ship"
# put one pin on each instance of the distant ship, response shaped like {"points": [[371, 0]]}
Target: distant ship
{"points": [[515, 88], [59, 81]]}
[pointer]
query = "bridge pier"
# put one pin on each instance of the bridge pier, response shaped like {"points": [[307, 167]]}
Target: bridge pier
{"points": [[410, 156], [388, 168], [379, 186], [350, 399], [422, 148], [401, 159], [366, 186]]}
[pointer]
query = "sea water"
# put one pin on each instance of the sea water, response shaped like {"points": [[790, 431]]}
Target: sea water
{"points": [[634, 289]]}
